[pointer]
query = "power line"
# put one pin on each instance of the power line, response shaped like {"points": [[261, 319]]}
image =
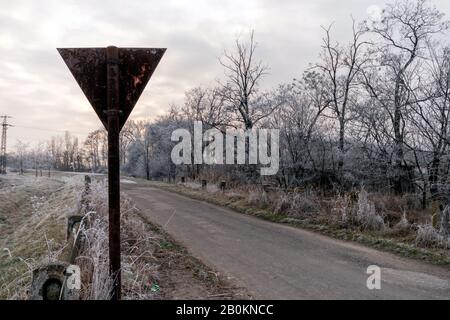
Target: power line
{"points": [[5, 126]]}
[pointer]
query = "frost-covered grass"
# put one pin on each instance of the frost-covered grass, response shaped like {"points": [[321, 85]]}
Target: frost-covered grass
{"points": [[33, 221], [33, 215], [258, 198], [403, 224], [283, 204], [139, 267], [428, 236], [366, 214]]}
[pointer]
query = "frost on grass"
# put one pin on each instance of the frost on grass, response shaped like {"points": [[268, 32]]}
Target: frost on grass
{"points": [[258, 198], [283, 204], [444, 228], [342, 207], [35, 213], [34, 234], [428, 236], [302, 205], [297, 205], [139, 268], [193, 185], [366, 214], [403, 224]]}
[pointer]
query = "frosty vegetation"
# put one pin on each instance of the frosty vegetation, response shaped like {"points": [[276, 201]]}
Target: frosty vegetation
{"points": [[36, 236], [33, 219], [369, 120], [139, 267]]}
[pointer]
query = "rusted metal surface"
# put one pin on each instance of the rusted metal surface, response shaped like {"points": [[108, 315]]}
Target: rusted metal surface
{"points": [[113, 80], [113, 117], [88, 66]]}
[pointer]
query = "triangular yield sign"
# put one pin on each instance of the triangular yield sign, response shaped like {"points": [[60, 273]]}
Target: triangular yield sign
{"points": [[88, 66]]}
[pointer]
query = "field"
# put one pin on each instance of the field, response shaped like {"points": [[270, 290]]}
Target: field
{"points": [[33, 213]]}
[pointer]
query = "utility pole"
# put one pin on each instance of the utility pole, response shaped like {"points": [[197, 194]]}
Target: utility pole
{"points": [[5, 126]]}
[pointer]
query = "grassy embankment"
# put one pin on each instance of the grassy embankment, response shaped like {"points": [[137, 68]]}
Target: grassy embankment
{"points": [[33, 214]]}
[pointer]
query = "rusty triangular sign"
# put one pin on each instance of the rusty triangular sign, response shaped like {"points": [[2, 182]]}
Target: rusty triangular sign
{"points": [[88, 66]]}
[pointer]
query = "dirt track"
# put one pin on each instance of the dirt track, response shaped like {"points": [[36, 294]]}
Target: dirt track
{"points": [[275, 261]]}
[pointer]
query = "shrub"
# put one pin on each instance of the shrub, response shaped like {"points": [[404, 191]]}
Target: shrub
{"points": [[302, 206], [444, 229], [258, 198], [366, 214], [137, 246], [193, 185], [283, 204], [428, 236], [343, 209], [233, 195], [403, 224]]}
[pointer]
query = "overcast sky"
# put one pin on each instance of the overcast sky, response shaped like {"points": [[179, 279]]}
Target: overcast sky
{"points": [[38, 91]]}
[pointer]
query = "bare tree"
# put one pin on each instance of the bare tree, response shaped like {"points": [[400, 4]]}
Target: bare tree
{"points": [[241, 89], [21, 153], [206, 105], [430, 118], [403, 31], [304, 101], [341, 65]]}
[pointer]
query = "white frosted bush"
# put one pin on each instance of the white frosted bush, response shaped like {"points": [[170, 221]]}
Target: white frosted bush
{"points": [[342, 207], [428, 236], [193, 185], [302, 205], [403, 224], [444, 229], [366, 214]]}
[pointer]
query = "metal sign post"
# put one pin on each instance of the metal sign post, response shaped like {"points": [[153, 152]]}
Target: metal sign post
{"points": [[112, 80], [113, 113]]}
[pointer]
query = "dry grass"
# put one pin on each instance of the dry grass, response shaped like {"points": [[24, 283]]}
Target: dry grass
{"points": [[33, 216], [33, 213], [366, 215], [139, 266], [428, 236]]}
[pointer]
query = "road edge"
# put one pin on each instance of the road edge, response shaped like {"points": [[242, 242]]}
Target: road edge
{"points": [[388, 245]]}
